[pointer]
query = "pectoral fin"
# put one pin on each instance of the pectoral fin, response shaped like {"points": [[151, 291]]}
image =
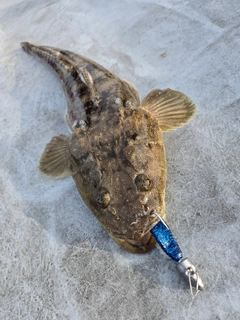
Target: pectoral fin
{"points": [[172, 109], [54, 160]]}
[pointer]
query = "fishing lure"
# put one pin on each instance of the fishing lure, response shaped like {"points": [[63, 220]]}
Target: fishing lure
{"points": [[169, 245]]}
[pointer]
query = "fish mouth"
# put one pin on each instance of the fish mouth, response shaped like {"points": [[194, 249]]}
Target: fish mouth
{"points": [[143, 245], [141, 242]]}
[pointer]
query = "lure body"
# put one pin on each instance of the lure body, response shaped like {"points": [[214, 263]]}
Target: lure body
{"points": [[116, 151], [167, 242], [165, 239]]}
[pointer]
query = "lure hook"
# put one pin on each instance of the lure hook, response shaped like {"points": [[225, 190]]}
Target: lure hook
{"points": [[168, 243]]}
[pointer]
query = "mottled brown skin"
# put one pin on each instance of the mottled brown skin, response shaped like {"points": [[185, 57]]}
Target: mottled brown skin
{"points": [[115, 154], [109, 163]]}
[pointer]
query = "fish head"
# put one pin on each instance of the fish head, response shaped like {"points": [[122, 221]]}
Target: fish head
{"points": [[121, 176], [130, 186], [134, 205]]}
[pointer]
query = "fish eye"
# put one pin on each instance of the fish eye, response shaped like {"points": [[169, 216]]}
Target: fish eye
{"points": [[103, 198], [143, 183]]}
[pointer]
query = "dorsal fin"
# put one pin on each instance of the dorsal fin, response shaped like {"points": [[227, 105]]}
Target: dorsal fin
{"points": [[172, 109]]}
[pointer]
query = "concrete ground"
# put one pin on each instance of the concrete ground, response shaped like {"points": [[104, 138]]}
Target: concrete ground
{"points": [[57, 262]]}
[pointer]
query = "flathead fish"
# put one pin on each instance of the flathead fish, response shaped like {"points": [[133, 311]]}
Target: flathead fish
{"points": [[116, 152]]}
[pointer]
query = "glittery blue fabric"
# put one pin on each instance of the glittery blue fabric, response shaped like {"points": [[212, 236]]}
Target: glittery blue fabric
{"points": [[166, 241]]}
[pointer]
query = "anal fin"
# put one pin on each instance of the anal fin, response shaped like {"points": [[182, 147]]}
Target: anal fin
{"points": [[172, 109], [54, 161]]}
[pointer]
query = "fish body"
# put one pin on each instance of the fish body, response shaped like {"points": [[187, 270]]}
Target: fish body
{"points": [[116, 152]]}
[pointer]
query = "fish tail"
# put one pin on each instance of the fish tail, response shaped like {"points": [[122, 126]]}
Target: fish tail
{"points": [[40, 51], [26, 46], [61, 61], [77, 82], [47, 54]]}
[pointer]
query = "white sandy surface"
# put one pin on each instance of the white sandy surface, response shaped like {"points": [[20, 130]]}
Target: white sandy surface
{"points": [[57, 262]]}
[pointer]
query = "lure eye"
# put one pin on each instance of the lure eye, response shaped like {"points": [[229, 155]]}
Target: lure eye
{"points": [[143, 183], [103, 199]]}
